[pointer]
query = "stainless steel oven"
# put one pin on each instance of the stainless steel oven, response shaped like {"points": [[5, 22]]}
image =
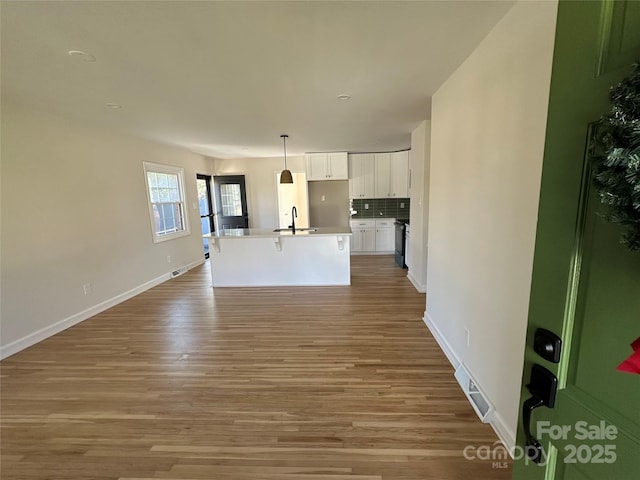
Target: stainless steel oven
{"points": [[400, 242]]}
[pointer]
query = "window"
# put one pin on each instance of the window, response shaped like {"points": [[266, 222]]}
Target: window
{"points": [[231, 200], [167, 201]]}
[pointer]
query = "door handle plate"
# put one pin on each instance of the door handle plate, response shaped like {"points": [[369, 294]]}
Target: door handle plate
{"points": [[543, 386]]}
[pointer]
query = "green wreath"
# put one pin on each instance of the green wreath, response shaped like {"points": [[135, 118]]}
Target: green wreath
{"points": [[616, 159]]}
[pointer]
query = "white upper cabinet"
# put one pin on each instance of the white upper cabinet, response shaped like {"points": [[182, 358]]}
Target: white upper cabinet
{"points": [[327, 166], [383, 175], [392, 175], [317, 166], [370, 175], [400, 174], [361, 175], [338, 166]]}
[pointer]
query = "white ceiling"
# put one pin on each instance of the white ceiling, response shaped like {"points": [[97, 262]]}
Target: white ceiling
{"points": [[225, 79]]}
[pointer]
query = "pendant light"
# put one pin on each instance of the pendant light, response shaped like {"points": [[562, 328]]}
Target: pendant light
{"points": [[285, 176]]}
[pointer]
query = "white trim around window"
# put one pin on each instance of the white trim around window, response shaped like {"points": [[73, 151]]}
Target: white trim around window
{"points": [[167, 201]]}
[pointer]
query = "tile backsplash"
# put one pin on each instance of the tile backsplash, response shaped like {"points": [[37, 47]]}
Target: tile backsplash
{"points": [[381, 207]]}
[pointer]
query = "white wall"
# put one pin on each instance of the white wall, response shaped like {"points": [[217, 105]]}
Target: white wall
{"points": [[419, 158], [329, 203], [74, 211], [487, 139], [260, 174], [293, 195]]}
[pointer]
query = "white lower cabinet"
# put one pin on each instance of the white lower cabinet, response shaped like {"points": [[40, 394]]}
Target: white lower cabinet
{"points": [[385, 236], [356, 240], [368, 239], [363, 235], [373, 236]]}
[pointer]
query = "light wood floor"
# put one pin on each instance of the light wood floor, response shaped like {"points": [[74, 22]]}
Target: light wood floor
{"points": [[306, 383]]}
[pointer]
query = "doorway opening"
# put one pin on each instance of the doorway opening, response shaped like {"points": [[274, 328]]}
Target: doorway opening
{"points": [[205, 205], [231, 202]]}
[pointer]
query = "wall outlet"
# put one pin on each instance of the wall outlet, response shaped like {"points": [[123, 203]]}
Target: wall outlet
{"points": [[366, 206], [86, 288], [168, 258], [323, 198], [468, 336], [401, 204]]}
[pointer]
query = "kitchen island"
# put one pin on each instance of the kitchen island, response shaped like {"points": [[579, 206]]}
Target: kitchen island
{"points": [[262, 257]]}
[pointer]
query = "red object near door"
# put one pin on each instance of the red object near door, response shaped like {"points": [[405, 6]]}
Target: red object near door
{"points": [[632, 364]]}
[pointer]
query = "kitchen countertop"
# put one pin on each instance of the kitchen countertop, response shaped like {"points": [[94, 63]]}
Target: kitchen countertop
{"points": [[268, 233]]}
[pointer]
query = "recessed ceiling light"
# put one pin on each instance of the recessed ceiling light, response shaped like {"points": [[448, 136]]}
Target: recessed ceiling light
{"points": [[115, 106], [344, 96], [80, 55]]}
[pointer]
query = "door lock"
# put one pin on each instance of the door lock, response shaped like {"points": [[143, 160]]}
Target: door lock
{"points": [[547, 344]]}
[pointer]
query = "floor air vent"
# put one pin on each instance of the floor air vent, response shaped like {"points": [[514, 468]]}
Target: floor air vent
{"points": [[178, 272], [478, 400]]}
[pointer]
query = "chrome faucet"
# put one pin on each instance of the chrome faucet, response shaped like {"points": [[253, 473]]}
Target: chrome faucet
{"points": [[294, 215]]}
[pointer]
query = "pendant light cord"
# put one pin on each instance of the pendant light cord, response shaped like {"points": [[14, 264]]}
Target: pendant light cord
{"points": [[284, 143]]}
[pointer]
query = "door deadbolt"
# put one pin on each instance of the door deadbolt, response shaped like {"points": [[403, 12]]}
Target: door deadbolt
{"points": [[547, 344]]}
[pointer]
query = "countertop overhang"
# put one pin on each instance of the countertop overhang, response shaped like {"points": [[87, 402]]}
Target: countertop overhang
{"points": [[267, 233]]}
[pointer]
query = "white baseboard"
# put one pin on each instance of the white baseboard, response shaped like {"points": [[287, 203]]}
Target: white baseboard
{"points": [[442, 342], [419, 287], [191, 265], [46, 332], [505, 434]]}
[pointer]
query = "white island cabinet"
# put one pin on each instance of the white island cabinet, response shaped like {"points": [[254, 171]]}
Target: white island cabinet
{"points": [[260, 257]]}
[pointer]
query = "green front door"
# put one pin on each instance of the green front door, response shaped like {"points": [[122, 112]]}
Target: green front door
{"points": [[586, 285]]}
